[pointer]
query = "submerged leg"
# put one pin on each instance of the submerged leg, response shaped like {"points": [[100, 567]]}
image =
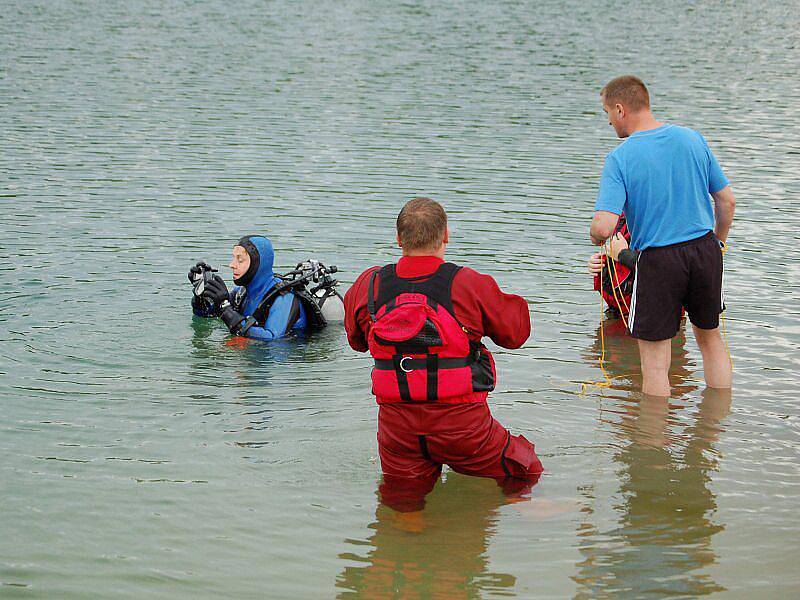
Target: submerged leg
{"points": [[716, 362], [488, 450], [656, 357]]}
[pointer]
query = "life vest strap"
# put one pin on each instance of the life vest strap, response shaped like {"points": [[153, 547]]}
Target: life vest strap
{"points": [[408, 364]]}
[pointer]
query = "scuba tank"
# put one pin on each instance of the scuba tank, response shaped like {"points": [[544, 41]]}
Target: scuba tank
{"points": [[331, 304]]}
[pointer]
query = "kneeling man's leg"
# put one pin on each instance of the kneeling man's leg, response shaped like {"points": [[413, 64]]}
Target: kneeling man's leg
{"points": [[485, 448]]}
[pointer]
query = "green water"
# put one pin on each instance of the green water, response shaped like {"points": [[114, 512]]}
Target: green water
{"points": [[142, 456]]}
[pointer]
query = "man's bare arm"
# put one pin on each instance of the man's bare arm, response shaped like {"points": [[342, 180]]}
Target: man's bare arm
{"points": [[724, 207], [603, 225]]}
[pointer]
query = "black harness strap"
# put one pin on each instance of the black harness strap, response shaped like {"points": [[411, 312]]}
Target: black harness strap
{"points": [[301, 297], [294, 313], [262, 310], [371, 294], [402, 377], [437, 285], [432, 367], [406, 363]]}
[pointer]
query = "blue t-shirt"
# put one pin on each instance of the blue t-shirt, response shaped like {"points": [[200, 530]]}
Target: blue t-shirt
{"points": [[661, 179]]}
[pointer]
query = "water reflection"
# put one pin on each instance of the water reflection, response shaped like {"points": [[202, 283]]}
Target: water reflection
{"points": [[318, 347], [665, 460], [439, 552], [256, 362], [252, 379]]}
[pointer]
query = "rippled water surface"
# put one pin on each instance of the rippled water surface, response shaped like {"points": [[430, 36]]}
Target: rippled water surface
{"points": [[146, 455]]}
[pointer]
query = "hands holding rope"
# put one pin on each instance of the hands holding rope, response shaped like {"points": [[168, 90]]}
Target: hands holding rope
{"points": [[615, 244]]}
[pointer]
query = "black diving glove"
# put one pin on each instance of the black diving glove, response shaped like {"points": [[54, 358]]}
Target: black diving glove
{"points": [[198, 269], [233, 320], [201, 306], [217, 292]]}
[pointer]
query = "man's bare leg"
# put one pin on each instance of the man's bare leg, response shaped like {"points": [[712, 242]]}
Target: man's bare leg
{"points": [[716, 362], [656, 358]]}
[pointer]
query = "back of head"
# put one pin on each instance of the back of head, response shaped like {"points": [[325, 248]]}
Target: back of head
{"points": [[421, 225], [628, 90]]}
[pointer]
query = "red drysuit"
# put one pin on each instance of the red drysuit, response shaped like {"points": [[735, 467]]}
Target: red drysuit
{"points": [[415, 438]]}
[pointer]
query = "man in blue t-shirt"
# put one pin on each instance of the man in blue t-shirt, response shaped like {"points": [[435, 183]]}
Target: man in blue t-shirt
{"points": [[664, 177]]}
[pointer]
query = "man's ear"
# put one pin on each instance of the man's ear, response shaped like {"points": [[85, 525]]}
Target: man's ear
{"points": [[446, 239], [399, 243], [620, 110]]}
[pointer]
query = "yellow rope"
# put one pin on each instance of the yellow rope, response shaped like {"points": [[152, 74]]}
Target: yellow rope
{"points": [[607, 380], [614, 285]]}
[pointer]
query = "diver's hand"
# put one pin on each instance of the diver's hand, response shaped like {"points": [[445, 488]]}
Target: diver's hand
{"points": [[198, 269], [595, 263], [233, 320], [216, 291], [617, 244], [202, 307]]}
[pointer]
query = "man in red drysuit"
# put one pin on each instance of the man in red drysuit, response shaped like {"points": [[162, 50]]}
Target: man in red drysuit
{"points": [[422, 320]]}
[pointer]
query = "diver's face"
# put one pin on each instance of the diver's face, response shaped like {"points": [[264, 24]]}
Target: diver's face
{"points": [[240, 262]]}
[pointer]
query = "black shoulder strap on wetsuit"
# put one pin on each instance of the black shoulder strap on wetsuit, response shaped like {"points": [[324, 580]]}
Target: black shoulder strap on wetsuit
{"points": [[260, 314], [294, 313]]}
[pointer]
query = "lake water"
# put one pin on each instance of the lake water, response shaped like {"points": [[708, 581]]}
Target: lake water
{"points": [[143, 454]]}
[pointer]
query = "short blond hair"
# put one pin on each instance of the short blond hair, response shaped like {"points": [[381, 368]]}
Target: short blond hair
{"points": [[421, 225], [628, 90]]}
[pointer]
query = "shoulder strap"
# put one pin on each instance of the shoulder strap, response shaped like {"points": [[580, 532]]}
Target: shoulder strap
{"points": [[261, 312], [448, 272], [371, 294], [440, 285], [436, 286], [294, 313]]}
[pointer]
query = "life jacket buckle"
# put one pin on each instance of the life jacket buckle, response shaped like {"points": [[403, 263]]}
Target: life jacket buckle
{"points": [[402, 367]]}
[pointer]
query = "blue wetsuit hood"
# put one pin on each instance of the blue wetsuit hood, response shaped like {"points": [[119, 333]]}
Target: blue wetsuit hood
{"points": [[260, 277]]}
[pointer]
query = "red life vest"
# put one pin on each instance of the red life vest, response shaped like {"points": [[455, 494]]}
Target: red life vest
{"points": [[618, 279], [421, 351]]}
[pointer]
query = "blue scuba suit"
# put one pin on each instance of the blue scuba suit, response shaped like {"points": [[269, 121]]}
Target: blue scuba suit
{"points": [[246, 298]]}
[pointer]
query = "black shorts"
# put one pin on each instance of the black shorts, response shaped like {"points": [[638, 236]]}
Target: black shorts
{"points": [[669, 278]]}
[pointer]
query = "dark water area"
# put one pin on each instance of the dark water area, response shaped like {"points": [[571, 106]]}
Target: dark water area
{"points": [[144, 453]]}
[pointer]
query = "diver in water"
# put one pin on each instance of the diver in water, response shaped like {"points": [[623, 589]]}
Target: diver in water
{"points": [[264, 305]]}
